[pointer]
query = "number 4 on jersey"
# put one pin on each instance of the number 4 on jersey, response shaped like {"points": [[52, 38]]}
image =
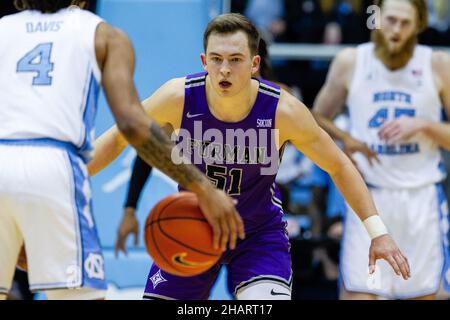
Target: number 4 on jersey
{"points": [[38, 60]]}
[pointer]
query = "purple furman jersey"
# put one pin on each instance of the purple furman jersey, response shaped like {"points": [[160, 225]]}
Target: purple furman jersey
{"points": [[246, 170], [240, 168]]}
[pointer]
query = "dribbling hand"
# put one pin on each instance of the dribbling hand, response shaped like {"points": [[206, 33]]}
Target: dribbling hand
{"points": [[220, 212]]}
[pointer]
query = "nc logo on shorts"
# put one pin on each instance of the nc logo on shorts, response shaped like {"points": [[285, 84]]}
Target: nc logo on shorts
{"points": [[157, 278], [94, 266]]}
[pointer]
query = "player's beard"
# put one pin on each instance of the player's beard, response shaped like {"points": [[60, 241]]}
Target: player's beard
{"points": [[393, 60]]}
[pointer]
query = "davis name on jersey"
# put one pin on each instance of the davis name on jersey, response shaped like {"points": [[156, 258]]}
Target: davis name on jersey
{"points": [[44, 26]]}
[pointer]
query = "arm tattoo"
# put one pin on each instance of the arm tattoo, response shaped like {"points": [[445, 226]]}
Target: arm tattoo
{"points": [[157, 151]]}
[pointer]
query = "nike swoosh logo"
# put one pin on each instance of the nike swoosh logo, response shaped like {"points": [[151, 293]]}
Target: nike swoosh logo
{"points": [[189, 116], [278, 293], [179, 258]]}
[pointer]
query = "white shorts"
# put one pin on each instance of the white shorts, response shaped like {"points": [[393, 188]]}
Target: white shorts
{"points": [[45, 202], [417, 219]]}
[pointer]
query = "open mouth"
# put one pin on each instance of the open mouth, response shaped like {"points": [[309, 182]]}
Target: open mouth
{"points": [[224, 84]]}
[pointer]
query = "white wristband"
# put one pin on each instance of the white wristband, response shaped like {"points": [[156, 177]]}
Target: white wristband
{"points": [[375, 226]]}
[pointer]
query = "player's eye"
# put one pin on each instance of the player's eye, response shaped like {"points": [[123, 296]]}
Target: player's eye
{"points": [[391, 20], [235, 60], [216, 59]]}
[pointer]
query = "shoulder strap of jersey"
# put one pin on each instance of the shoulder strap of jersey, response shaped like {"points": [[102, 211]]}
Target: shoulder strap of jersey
{"points": [[194, 91]]}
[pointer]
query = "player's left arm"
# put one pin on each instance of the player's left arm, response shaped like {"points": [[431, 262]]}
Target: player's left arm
{"points": [[404, 128], [297, 125]]}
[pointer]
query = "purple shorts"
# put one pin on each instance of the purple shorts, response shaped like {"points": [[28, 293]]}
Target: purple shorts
{"points": [[262, 256]]}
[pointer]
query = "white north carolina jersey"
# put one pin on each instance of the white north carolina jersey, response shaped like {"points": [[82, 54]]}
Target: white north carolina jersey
{"points": [[378, 95], [49, 77]]}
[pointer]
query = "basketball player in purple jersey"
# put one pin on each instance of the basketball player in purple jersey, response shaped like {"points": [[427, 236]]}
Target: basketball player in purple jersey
{"points": [[204, 110]]}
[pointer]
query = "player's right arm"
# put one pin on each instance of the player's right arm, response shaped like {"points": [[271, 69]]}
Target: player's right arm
{"points": [[331, 99], [115, 56]]}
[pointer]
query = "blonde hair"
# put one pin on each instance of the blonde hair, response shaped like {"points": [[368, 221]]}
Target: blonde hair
{"points": [[421, 9]]}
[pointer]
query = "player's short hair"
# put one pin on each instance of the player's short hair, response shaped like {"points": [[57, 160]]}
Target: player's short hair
{"points": [[421, 8], [47, 6], [231, 23]]}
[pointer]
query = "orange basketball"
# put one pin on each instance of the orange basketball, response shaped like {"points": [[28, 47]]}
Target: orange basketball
{"points": [[179, 238]]}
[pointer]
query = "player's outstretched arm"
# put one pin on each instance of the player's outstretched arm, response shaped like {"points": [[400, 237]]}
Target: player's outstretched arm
{"points": [[404, 128], [116, 59], [164, 106], [297, 125]]}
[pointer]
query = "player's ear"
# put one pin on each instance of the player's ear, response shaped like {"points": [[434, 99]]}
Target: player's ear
{"points": [[19, 5], [203, 58], [256, 61]]}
